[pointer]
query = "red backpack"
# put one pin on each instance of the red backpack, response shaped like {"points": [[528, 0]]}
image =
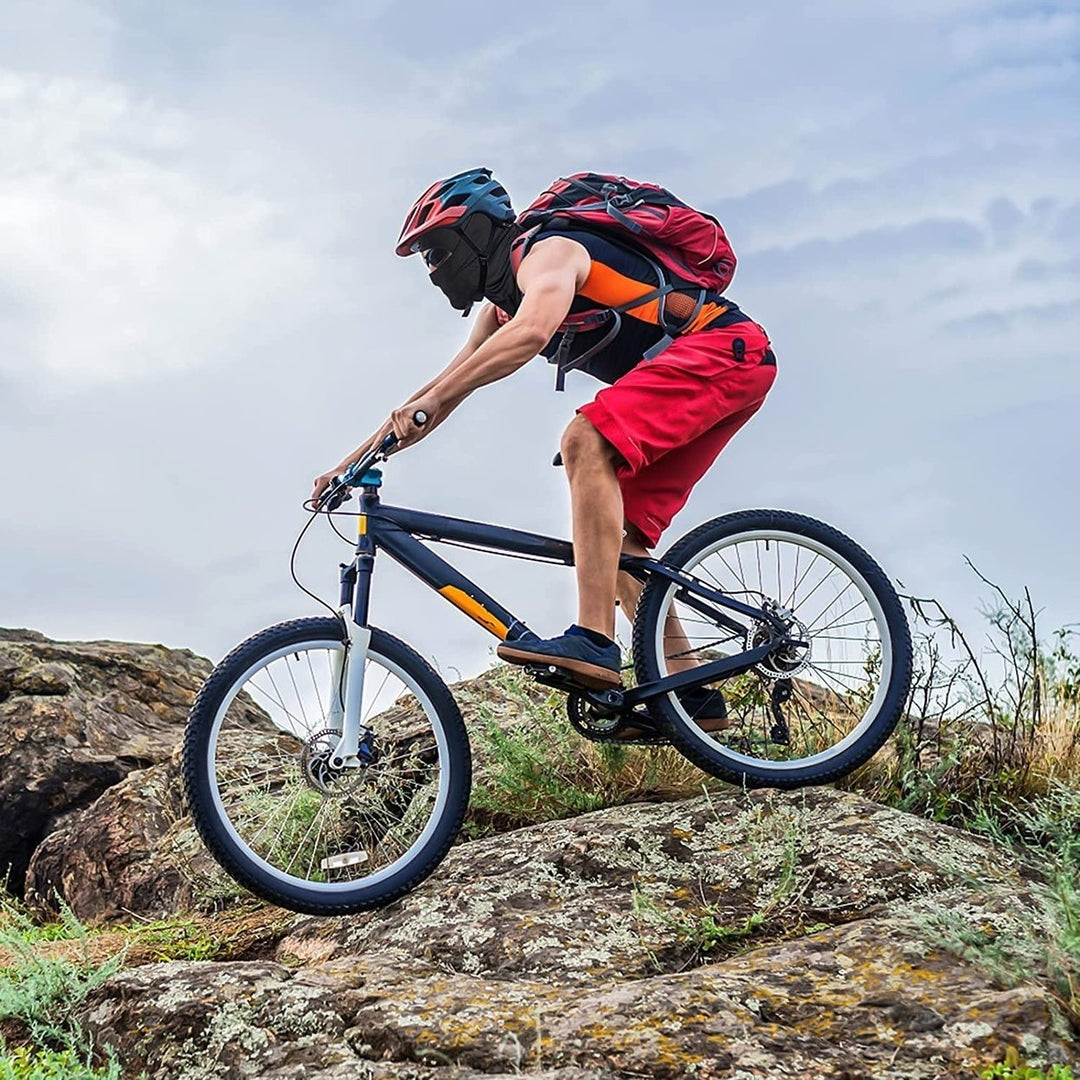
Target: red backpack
{"points": [[684, 245], [689, 243]]}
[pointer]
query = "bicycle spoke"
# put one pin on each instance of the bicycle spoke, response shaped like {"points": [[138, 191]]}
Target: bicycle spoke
{"points": [[842, 615], [315, 684], [835, 672], [299, 696], [280, 704], [295, 813], [382, 686]]}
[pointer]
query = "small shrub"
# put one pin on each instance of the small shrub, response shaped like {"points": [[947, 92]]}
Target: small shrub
{"points": [[1007, 1071], [42, 994], [530, 765], [25, 1064], [175, 939], [990, 742]]}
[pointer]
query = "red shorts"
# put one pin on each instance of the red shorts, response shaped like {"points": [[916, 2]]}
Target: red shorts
{"points": [[670, 417]]}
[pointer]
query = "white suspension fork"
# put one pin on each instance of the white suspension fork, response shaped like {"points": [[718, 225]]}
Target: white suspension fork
{"points": [[349, 669]]}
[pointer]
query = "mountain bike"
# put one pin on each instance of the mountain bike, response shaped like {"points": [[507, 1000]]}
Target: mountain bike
{"points": [[327, 765]]}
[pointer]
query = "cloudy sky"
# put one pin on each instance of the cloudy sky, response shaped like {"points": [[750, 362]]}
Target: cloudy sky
{"points": [[200, 308]]}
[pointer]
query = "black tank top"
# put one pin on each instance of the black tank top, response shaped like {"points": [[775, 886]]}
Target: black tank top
{"points": [[618, 275]]}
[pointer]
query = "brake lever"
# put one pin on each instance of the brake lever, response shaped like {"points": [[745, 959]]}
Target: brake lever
{"points": [[337, 493], [340, 487]]}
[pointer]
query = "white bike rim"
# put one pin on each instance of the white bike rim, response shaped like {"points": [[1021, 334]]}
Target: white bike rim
{"points": [[868, 596], [333, 888]]}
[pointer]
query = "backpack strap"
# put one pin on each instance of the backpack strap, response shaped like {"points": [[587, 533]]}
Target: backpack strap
{"points": [[520, 247], [592, 319], [562, 360]]}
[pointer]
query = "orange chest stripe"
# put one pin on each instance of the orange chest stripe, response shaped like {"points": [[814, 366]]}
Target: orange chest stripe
{"points": [[610, 288]]}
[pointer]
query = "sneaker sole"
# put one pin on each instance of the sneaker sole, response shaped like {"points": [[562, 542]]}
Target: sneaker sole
{"points": [[709, 726], [590, 675]]}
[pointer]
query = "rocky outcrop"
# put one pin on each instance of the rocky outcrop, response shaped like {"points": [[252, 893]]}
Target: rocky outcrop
{"points": [[860, 1008], [133, 853], [75, 719], [742, 936], [630, 890], [732, 935]]}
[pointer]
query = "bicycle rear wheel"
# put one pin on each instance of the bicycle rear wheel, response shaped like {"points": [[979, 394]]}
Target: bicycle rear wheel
{"points": [[805, 715], [266, 799]]}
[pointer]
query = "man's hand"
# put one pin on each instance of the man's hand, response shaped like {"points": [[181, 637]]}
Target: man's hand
{"points": [[322, 482], [406, 428]]}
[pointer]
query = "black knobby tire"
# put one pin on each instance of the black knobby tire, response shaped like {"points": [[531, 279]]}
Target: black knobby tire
{"points": [[712, 755], [223, 842]]}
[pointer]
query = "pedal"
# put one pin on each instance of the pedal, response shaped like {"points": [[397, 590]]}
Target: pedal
{"points": [[557, 678]]}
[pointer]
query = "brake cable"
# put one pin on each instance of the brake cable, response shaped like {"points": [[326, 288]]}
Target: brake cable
{"points": [[335, 494]]}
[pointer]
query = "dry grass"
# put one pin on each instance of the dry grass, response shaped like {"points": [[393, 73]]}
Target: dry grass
{"points": [[991, 742], [248, 930], [530, 765]]}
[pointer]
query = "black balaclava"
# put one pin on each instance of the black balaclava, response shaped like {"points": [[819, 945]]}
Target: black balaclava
{"points": [[502, 287], [478, 265]]}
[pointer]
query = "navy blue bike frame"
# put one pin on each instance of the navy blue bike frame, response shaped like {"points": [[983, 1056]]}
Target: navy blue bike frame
{"points": [[396, 531]]}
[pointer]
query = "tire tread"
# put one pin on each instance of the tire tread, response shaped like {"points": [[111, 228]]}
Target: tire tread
{"points": [[647, 667]]}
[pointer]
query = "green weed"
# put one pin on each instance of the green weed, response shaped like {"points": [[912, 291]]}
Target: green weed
{"points": [[41, 995], [175, 939], [530, 765], [25, 1064], [990, 742], [1015, 1071], [704, 929]]}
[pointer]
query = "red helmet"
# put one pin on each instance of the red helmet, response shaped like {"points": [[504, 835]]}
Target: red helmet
{"points": [[448, 201]]}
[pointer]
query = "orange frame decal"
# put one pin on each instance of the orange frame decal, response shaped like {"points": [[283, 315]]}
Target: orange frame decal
{"points": [[475, 610]]}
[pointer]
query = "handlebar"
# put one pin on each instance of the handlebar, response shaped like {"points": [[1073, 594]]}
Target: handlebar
{"points": [[338, 491]]}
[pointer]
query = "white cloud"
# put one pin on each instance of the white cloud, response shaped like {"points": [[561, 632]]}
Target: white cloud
{"points": [[1043, 34], [121, 253], [198, 205]]}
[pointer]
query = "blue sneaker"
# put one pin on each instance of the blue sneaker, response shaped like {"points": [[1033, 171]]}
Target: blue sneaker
{"points": [[593, 665], [704, 704]]}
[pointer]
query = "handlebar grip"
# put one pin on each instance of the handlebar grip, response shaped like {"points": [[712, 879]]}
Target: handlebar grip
{"points": [[419, 418]]}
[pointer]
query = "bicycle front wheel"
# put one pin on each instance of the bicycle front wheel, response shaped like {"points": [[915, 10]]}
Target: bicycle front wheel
{"points": [[266, 798], [807, 714]]}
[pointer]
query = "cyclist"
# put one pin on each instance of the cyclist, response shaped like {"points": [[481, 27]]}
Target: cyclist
{"points": [[634, 453]]}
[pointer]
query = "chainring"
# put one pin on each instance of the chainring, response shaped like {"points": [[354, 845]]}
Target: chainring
{"points": [[605, 727], [587, 720]]}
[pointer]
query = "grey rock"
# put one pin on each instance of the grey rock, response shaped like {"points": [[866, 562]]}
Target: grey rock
{"points": [[75, 719]]}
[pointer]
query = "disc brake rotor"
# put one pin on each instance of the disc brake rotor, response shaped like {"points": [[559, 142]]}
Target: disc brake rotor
{"points": [[320, 774], [788, 660]]}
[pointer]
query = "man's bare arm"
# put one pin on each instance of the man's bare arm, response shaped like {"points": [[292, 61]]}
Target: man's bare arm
{"points": [[485, 324], [549, 278]]}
